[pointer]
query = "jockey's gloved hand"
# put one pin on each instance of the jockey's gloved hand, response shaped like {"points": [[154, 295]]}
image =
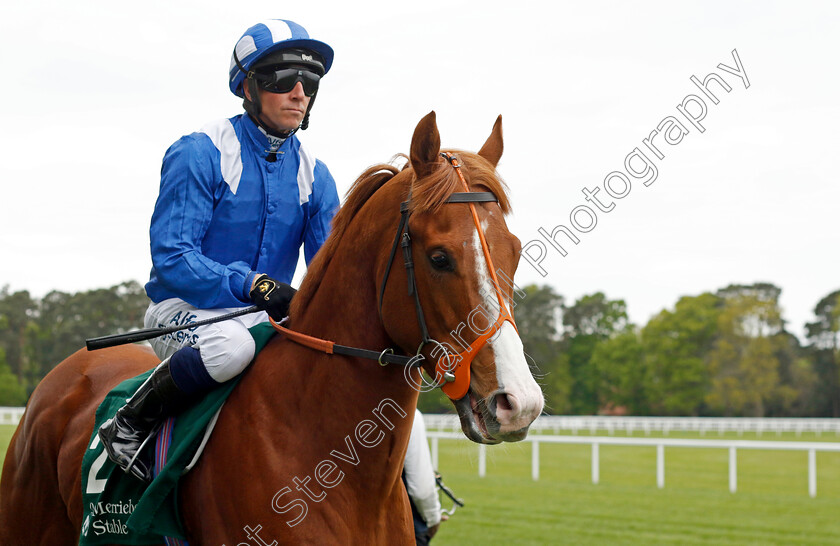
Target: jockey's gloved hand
{"points": [[272, 296]]}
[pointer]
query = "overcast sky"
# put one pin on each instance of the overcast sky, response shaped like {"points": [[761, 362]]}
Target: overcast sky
{"points": [[94, 92]]}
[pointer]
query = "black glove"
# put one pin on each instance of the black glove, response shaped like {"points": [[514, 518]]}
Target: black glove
{"points": [[272, 297]]}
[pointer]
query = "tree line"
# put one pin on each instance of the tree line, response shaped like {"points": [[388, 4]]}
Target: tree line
{"points": [[37, 334], [726, 353], [723, 353]]}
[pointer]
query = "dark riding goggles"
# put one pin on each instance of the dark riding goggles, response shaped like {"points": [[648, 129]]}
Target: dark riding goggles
{"points": [[284, 80]]}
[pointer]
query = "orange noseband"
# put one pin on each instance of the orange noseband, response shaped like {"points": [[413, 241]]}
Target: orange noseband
{"points": [[460, 368]]}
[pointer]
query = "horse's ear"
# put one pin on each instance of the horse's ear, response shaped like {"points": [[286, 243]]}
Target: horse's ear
{"points": [[425, 146], [493, 148]]}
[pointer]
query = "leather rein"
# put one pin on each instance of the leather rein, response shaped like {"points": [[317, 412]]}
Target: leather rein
{"points": [[453, 369]]}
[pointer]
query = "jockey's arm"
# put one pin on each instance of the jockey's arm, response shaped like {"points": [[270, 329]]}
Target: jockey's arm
{"points": [[182, 214]]}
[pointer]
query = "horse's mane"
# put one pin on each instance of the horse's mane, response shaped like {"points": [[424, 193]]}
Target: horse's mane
{"points": [[427, 195]]}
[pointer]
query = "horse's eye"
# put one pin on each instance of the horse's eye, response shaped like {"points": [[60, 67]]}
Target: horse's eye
{"points": [[440, 261]]}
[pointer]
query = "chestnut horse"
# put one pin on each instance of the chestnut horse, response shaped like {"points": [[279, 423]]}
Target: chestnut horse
{"points": [[310, 446]]}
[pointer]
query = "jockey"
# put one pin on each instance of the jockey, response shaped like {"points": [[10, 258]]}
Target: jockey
{"points": [[237, 201]]}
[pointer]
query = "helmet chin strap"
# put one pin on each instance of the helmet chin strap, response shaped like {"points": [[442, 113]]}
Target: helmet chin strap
{"points": [[304, 125]]}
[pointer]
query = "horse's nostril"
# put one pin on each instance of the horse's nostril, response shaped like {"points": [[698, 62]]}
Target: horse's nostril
{"points": [[502, 402]]}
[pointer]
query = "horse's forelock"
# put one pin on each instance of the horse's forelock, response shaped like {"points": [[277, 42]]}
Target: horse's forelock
{"points": [[430, 193]]}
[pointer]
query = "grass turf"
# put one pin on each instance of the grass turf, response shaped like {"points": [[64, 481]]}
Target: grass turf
{"points": [[771, 506], [6, 432]]}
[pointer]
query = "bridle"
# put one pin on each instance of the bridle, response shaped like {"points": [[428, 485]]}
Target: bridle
{"points": [[452, 371]]}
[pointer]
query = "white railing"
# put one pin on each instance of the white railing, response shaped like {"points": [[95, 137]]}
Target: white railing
{"points": [[664, 425], [628, 425], [659, 443], [10, 416]]}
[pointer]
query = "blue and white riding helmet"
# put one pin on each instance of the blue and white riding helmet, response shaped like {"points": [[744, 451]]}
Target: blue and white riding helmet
{"points": [[263, 42]]}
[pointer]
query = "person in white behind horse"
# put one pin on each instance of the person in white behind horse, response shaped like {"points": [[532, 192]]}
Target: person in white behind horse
{"points": [[419, 477]]}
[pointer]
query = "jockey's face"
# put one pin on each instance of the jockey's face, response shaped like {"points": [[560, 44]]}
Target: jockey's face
{"points": [[282, 111]]}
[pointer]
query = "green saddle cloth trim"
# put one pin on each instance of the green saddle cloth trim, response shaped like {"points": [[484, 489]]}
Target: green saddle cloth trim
{"points": [[120, 509]]}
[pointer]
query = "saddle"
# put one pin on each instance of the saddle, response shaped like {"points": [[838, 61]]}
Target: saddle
{"points": [[120, 509]]}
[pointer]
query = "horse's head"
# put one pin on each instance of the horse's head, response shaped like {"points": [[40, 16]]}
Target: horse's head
{"points": [[464, 258]]}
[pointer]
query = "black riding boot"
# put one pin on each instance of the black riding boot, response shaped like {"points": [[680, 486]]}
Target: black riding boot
{"points": [[124, 434]]}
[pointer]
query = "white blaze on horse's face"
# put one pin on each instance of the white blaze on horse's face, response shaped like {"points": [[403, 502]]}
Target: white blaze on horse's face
{"points": [[518, 400]]}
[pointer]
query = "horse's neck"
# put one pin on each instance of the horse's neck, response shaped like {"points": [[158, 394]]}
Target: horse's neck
{"points": [[345, 306], [347, 400]]}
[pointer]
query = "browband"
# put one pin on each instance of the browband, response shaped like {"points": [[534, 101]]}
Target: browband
{"points": [[472, 197], [463, 197]]}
